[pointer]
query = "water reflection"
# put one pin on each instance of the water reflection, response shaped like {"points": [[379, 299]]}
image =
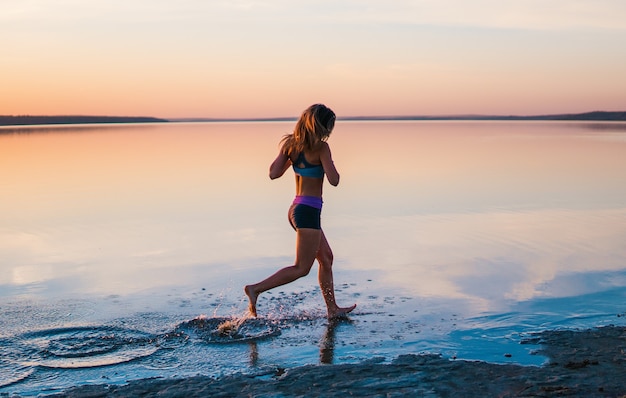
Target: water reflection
{"points": [[488, 212], [329, 340], [70, 128], [445, 233], [327, 343], [617, 127], [494, 257]]}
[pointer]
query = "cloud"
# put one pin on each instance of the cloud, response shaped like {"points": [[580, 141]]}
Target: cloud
{"points": [[162, 10], [520, 14]]}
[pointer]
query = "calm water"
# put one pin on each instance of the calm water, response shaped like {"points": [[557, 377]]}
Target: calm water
{"points": [[457, 238]]}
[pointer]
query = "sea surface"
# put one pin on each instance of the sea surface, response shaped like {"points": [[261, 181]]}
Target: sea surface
{"points": [[124, 248]]}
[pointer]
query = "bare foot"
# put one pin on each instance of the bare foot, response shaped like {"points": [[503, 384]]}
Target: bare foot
{"points": [[340, 312], [252, 296]]}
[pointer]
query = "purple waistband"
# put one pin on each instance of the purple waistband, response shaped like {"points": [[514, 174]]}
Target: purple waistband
{"points": [[312, 201]]}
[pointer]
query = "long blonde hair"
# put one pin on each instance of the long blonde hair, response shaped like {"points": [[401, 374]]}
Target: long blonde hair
{"points": [[313, 127]]}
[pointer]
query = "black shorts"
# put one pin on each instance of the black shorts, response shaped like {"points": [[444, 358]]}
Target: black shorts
{"points": [[303, 216]]}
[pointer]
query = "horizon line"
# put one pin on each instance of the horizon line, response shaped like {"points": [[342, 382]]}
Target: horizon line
{"points": [[13, 120], [592, 115]]}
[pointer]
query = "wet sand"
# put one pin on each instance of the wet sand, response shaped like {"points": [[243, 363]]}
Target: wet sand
{"points": [[589, 363]]}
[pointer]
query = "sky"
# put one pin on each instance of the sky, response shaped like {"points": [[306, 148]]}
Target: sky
{"points": [[273, 58]]}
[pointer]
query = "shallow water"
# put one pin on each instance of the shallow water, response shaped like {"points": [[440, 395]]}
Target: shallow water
{"points": [[458, 238]]}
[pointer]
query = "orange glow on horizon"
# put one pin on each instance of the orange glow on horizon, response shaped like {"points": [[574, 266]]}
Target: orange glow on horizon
{"points": [[221, 60]]}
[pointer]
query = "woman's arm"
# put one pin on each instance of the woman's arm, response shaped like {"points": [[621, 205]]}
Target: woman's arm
{"points": [[279, 165], [329, 166]]}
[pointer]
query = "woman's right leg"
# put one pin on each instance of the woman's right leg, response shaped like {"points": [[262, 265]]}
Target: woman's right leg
{"points": [[325, 277], [307, 244]]}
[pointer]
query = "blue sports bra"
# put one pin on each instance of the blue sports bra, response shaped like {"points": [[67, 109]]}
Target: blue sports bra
{"points": [[305, 169]]}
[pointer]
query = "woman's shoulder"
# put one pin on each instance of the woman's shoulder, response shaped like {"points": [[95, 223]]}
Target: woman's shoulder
{"points": [[321, 146], [324, 148]]}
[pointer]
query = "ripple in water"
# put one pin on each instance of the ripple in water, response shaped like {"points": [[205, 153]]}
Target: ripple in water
{"points": [[82, 347], [229, 330], [11, 368], [94, 346]]}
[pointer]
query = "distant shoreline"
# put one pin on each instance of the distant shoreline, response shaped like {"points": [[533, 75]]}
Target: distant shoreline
{"points": [[587, 116], [41, 120], [27, 120]]}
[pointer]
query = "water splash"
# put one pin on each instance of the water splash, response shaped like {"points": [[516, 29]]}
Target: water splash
{"points": [[230, 330]]}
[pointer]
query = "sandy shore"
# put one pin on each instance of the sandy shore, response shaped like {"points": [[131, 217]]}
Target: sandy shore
{"points": [[589, 363]]}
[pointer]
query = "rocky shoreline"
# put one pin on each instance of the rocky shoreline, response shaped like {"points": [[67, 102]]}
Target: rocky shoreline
{"points": [[590, 363]]}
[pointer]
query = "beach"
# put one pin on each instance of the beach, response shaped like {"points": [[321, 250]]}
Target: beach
{"points": [[475, 271], [585, 363], [465, 238]]}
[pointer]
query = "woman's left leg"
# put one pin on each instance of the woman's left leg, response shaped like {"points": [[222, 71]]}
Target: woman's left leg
{"points": [[307, 244]]}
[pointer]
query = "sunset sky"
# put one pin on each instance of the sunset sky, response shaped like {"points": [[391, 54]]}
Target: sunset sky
{"points": [[271, 58]]}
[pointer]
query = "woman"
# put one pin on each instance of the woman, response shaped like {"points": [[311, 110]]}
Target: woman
{"points": [[308, 152]]}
